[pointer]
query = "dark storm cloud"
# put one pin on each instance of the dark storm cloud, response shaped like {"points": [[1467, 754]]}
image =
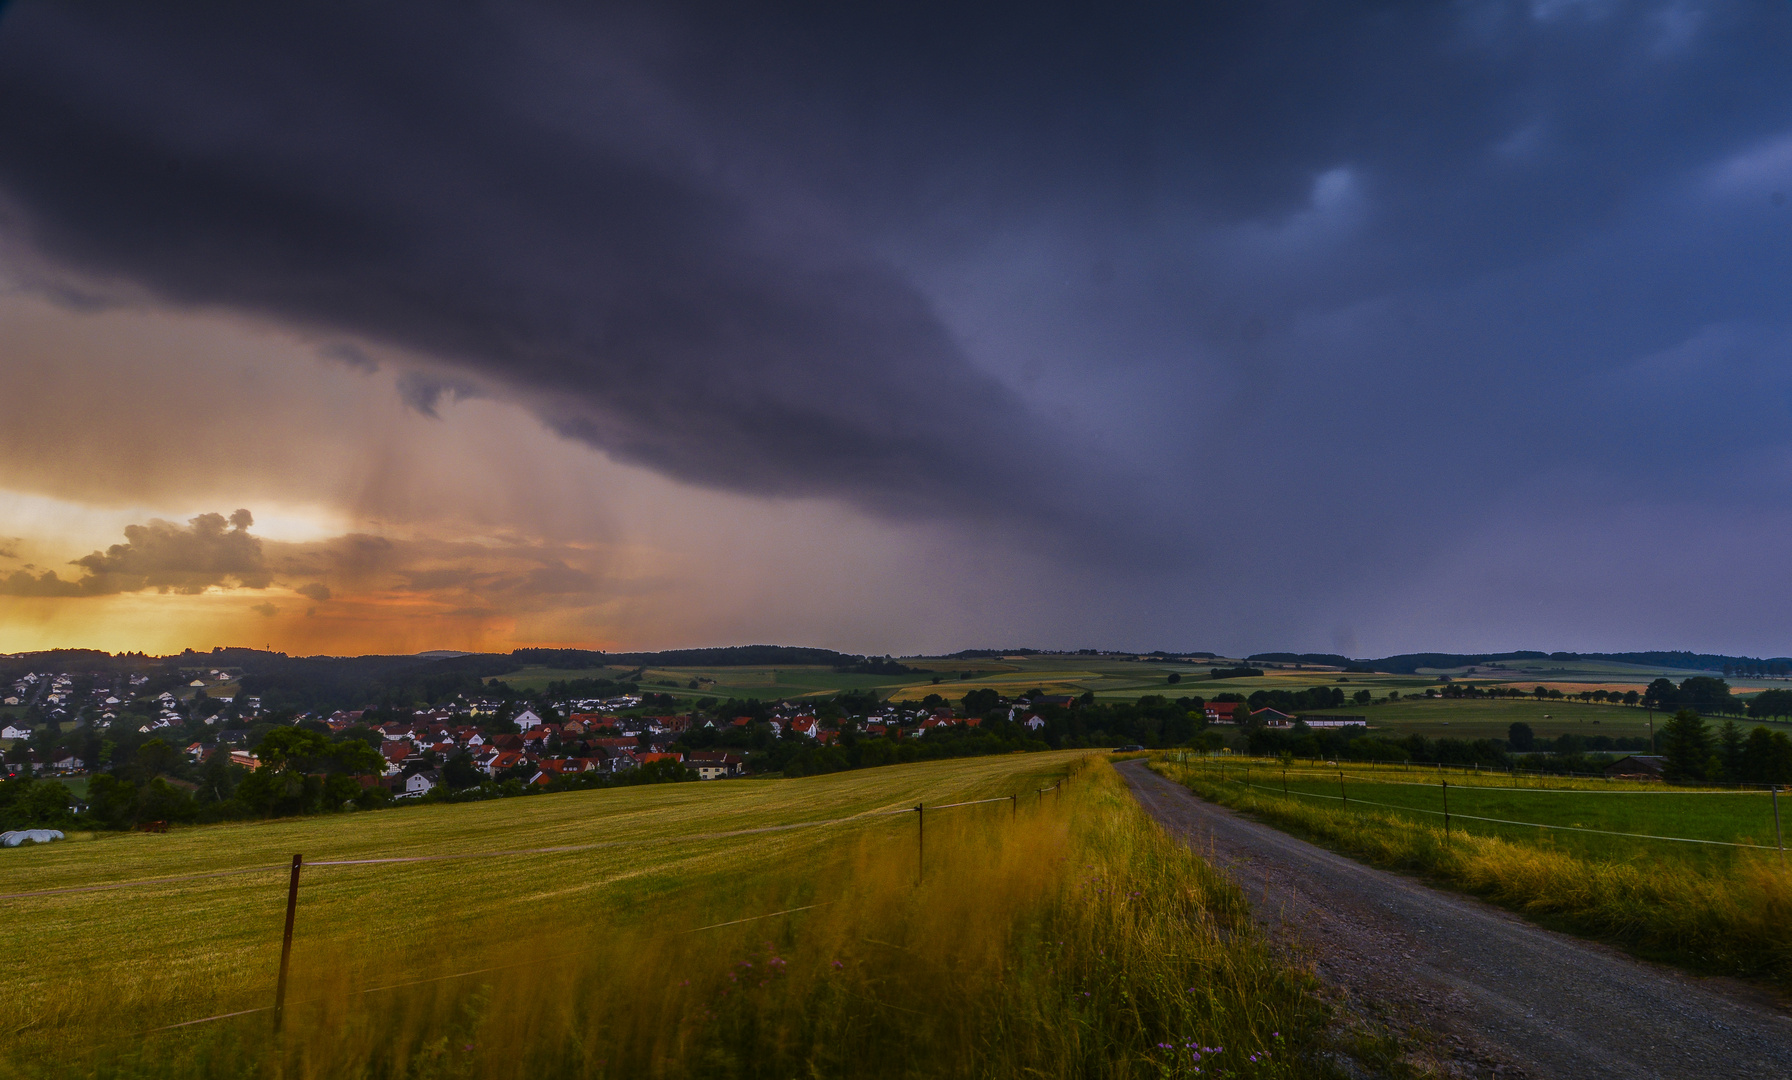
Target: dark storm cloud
{"points": [[1320, 292], [506, 192]]}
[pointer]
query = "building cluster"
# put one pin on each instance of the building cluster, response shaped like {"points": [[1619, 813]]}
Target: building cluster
{"points": [[65, 701], [1235, 712], [608, 735]]}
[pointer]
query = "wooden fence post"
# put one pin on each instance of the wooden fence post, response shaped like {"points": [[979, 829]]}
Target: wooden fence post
{"points": [[920, 842], [1446, 811], [292, 907], [1345, 795], [1778, 838]]}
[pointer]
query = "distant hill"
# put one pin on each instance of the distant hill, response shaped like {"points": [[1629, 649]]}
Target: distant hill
{"points": [[731, 656], [1326, 659]]}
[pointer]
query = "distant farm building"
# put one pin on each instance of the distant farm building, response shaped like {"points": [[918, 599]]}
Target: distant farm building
{"points": [[1636, 767]]}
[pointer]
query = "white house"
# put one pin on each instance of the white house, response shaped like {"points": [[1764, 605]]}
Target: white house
{"points": [[1033, 722], [418, 784], [14, 731], [526, 720]]}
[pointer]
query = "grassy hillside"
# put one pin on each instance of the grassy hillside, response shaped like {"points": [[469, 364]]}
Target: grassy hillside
{"points": [[1053, 937]]}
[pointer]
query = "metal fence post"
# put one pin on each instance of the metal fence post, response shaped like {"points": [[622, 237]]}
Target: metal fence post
{"points": [[292, 907]]}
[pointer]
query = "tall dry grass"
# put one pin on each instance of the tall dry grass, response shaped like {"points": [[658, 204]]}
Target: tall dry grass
{"points": [[1072, 938], [1729, 918]]}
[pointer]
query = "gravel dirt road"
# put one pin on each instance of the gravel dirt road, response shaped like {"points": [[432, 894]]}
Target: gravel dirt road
{"points": [[1491, 994]]}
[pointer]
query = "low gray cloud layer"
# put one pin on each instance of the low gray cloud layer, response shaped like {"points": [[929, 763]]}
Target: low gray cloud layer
{"points": [[1274, 315]]}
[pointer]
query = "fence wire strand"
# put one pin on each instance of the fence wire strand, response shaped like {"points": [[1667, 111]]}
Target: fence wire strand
{"points": [[523, 851]]}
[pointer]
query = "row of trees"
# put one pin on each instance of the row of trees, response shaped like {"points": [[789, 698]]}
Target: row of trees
{"points": [[1771, 703], [1701, 693], [1293, 701], [1353, 744]]}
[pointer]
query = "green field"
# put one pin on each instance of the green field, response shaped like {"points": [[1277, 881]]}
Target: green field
{"points": [[1489, 718], [1727, 817]]}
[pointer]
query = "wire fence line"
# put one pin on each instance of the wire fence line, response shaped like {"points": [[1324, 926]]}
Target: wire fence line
{"points": [[1740, 789], [478, 971], [357, 993], [559, 849], [1372, 779], [1503, 821], [280, 1003]]}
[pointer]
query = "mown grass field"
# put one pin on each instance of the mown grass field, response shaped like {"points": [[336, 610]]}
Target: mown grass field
{"points": [[1063, 936], [175, 951], [1713, 909]]}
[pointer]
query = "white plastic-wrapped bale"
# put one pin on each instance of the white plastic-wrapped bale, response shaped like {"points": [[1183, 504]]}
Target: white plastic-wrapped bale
{"points": [[29, 836]]}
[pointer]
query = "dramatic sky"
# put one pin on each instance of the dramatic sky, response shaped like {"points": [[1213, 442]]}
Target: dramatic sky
{"points": [[896, 327]]}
